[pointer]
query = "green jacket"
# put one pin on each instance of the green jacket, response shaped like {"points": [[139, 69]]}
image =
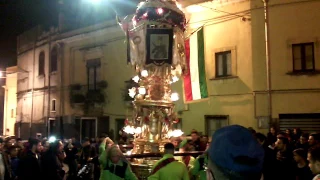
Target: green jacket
{"points": [[198, 169], [119, 171], [172, 171]]}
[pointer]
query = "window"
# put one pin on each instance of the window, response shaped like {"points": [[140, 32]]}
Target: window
{"points": [[214, 123], [303, 57], [53, 105], [54, 60], [93, 73], [41, 64], [223, 64]]}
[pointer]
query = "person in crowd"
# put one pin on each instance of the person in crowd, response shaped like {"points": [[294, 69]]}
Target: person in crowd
{"points": [[284, 166], [303, 142], [71, 157], [168, 168], [102, 137], [198, 170], [195, 141], [14, 160], [253, 131], [187, 160], [52, 167], [30, 165], [272, 136], [269, 157], [87, 152], [65, 167], [45, 146], [175, 141], [314, 161], [234, 154], [296, 134], [314, 139], [302, 170], [114, 166]]}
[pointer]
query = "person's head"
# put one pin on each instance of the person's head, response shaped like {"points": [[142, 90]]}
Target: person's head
{"points": [[35, 145], [282, 143], [13, 150], [56, 147], [313, 139], [261, 138], [45, 146], [208, 143], [314, 159], [252, 130], [169, 148], [304, 138], [175, 142], [85, 142], [194, 135], [235, 153], [282, 135], [61, 155], [273, 130], [114, 154], [296, 131], [1, 144], [300, 155], [288, 131]]}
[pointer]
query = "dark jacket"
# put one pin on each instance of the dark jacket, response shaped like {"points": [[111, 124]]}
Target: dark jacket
{"points": [[29, 167], [51, 167]]}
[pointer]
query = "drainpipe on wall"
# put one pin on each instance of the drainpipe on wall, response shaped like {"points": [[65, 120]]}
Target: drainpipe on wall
{"points": [[49, 88], [268, 62], [32, 91], [61, 52]]}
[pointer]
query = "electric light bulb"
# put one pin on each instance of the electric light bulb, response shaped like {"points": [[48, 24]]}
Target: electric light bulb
{"points": [[142, 90], [175, 79], [159, 10], [145, 14], [179, 6], [144, 73], [136, 79], [138, 130], [132, 92], [175, 133], [174, 97]]}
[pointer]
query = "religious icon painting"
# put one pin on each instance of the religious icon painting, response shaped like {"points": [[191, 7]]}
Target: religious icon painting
{"points": [[159, 46]]}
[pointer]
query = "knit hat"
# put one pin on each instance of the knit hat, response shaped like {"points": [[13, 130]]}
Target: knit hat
{"points": [[234, 148]]}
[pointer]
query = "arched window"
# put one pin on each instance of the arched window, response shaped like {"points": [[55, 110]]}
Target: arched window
{"points": [[54, 60], [41, 64]]}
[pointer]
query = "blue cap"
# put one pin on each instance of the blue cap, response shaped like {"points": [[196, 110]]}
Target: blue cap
{"points": [[232, 147]]}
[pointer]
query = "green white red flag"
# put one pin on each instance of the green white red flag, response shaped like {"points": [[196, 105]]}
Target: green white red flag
{"points": [[195, 83]]}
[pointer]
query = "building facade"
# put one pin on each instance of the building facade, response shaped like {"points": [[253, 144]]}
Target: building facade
{"points": [[258, 74]]}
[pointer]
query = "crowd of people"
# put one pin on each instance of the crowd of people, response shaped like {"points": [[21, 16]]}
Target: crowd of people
{"points": [[232, 153]]}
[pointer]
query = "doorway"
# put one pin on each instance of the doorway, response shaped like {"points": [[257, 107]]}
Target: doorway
{"points": [[88, 128], [52, 128]]}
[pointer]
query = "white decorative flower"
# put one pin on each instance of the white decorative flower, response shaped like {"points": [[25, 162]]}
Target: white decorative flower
{"points": [[136, 79], [132, 92]]}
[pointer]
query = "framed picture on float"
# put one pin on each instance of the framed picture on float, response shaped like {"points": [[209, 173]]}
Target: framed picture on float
{"points": [[159, 46]]}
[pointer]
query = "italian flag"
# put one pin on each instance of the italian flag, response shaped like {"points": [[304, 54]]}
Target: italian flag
{"points": [[195, 84]]}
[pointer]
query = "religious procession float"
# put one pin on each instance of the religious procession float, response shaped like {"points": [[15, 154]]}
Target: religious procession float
{"points": [[156, 50]]}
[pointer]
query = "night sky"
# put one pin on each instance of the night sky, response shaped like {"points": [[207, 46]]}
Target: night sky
{"points": [[17, 16]]}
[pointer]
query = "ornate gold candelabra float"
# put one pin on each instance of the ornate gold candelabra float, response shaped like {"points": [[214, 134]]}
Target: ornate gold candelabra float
{"points": [[155, 38]]}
